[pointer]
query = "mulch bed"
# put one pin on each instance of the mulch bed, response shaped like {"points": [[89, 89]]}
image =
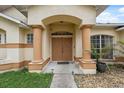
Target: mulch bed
{"points": [[110, 79]]}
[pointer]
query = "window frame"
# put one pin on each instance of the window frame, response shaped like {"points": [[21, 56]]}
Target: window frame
{"points": [[29, 38], [109, 38], [0, 38]]}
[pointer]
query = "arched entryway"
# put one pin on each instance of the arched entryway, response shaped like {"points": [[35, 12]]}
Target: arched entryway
{"points": [[61, 29]]}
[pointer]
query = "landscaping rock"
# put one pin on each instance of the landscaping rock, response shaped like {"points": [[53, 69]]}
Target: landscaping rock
{"points": [[110, 79]]}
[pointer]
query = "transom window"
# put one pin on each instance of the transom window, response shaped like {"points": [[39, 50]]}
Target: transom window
{"points": [[103, 45], [30, 38], [62, 33]]}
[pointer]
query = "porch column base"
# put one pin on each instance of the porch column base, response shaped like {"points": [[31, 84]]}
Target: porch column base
{"points": [[35, 66], [38, 65], [88, 67]]}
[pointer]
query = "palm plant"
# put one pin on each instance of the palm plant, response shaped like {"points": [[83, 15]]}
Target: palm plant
{"points": [[95, 54], [101, 67], [119, 51], [119, 47]]}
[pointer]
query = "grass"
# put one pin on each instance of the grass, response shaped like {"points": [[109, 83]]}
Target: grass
{"points": [[24, 79]]}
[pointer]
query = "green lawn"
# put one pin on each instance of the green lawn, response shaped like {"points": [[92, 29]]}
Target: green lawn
{"points": [[24, 79]]}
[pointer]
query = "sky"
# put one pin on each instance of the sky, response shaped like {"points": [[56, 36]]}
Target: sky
{"points": [[113, 14]]}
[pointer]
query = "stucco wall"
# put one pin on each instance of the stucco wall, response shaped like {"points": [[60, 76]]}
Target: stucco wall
{"points": [[22, 35], [121, 35], [2, 33], [12, 30], [45, 44], [28, 52], [78, 42], [106, 31], [12, 36], [2, 50], [37, 13]]}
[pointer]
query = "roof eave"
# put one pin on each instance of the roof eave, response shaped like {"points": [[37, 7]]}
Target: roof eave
{"points": [[14, 20]]}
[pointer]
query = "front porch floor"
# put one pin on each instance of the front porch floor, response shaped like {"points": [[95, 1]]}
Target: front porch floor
{"points": [[55, 68]]}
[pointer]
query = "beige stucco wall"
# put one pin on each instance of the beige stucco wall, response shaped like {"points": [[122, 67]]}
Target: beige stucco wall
{"points": [[12, 30], [2, 33], [28, 52], [45, 44], [2, 50], [22, 35], [106, 31], [13, 35], [13, 12], [78, 42], [37, 13], [35, 16], [2, 53], [121, 35]]}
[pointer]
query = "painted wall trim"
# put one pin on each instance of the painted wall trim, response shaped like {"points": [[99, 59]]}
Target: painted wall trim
{"points": [[16, 45], [38, 67], [10, 66]]}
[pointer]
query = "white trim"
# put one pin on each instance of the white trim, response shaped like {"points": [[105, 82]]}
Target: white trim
{"points": [[109, 24], [14, 20], [120, 29]]}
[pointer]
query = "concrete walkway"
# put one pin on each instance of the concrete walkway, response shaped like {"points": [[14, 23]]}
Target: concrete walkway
{"points": [[63, 77], [63, 81]]}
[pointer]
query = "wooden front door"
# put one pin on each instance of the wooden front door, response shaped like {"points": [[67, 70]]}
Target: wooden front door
{"points": [[62, 49]]}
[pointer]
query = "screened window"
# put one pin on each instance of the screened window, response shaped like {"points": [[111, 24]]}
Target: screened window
{"points": [[30, 38], [103, 45]]}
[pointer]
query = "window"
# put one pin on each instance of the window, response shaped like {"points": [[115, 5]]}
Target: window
{"points": [[30, 38], [0, 39], [103, 45], [62, 33], [4, 38]]}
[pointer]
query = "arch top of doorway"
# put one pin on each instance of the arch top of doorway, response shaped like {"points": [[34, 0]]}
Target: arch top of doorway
{"points": [[62, 18]]}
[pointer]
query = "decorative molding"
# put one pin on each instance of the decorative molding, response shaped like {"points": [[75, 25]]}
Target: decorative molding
{"points": [[16, 45], [86, 26], [35, 66], [88, 65], [76, 59], [10, 66], [37, 26]]}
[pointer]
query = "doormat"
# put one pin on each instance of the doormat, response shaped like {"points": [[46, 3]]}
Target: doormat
{"points": [[62, 62]]}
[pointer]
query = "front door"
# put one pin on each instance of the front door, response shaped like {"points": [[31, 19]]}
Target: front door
{"points": [[62, 49]]}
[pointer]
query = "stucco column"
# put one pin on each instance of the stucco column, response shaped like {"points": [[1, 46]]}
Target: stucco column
{"points": [[37, 43], [86, 45], [37, 63], [87, 65]]}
